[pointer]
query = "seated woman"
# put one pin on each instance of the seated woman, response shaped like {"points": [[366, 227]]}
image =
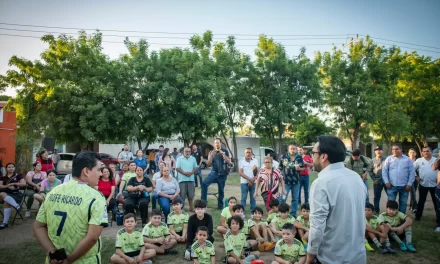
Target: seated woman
{"points": [[33, 180], [156, 176], [47, 185], [167, 188], [106, 185], [139, 189], [10, 185]]}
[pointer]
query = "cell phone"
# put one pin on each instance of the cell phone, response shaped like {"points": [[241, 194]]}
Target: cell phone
{"points": [[59, 254]]}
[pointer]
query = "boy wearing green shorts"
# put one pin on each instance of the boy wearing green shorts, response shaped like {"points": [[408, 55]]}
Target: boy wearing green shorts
{"points": [[202, 251], [283, 217], [157, 235], [375, 229], [178, 221], [259, 230]]}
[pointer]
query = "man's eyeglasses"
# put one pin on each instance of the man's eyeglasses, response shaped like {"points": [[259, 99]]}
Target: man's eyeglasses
{"points": [[315, 152], [268, 162]]}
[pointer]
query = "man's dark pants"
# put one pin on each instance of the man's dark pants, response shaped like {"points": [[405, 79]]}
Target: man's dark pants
{"points": [[378, 194], [214, 177]]}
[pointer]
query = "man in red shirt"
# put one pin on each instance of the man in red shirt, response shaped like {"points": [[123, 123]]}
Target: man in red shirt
{"points": [[304, 175]]}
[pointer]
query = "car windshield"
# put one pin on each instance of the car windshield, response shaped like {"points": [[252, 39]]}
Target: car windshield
{"points": [[66, 157]]}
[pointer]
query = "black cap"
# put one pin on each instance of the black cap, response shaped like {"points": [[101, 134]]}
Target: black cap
{"points": [[378, 147]]}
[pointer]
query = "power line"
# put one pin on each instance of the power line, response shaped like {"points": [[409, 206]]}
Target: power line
{"points": [[401, 42], [175, 33]]}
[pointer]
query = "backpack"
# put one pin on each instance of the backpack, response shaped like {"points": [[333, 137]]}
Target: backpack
{"points": [[362, 159]]}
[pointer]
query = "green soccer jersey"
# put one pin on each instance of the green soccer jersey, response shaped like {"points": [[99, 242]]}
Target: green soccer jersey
{"points": [[271, 216], [279, 222], [177, 221], [203, 254], [251, 223], [226, 213], [289, 253], [394, 221], [126, 177], [234, 243], [245, 229], [373, 222], [129, 242], [303, 221], [151, 231], [68, 210]]}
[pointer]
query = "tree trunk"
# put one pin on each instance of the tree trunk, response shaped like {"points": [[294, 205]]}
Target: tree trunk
{"points": [[234, 141], [139, 143], [355, 140]]}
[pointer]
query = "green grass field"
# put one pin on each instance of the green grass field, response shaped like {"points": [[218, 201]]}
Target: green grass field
{"points": [[425, 240]]}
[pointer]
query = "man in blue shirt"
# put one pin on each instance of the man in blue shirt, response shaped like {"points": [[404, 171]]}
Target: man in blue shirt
{"points": [[219, 158], [291, 164], [398, 175]]}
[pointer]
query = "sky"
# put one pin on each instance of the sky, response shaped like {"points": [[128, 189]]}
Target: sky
{"points": [[414, 22]]}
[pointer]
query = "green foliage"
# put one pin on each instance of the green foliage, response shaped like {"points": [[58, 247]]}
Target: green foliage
{"points": [[308, 131]]}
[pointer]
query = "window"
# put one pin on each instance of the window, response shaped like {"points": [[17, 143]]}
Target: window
{"points": [[1, 115]]}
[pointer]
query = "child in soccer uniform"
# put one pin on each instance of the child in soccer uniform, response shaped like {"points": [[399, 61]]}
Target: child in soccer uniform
{"points": [[259, 230], [157, 235], [235, 243], [178, 221], [198, 219], [130, 244], [398, 223], [202, 251], [226, 213], [273, 210], [239, 210], [302, 224], [375, 229], [289, 250], [280, 220]]}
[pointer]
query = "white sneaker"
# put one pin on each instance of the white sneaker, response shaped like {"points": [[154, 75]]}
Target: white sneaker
{"points": [[147, 262], [437, 229], [28, 214], [188, 254]]}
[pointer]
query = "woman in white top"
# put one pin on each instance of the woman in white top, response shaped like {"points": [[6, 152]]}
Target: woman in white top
{"points": [[156, 176], [33, 181]]}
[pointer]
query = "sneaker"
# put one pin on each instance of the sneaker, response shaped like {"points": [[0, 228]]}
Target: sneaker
{"points": [[383, 250], [403, 247], [3, 226], [390, 250], [414, 211], [305, 247], [410, 247], [18, 209], [368, 247], [28, 214], [171, 251], [147, 262], [437, 229], [188, 254]]}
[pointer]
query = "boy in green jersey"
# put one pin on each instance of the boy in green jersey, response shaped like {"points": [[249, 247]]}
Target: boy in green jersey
{"points": [[259, 230], [202, 251], [302, 224], [235, 243], [273, 210], [178, 221], [375, 229], [239, 210], [226, 213], [398, 224], [130, 246], [289, 250], [157, 235], [283, 217]]}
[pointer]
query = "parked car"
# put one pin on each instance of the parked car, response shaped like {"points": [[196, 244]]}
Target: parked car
{"points": [[64, 165], [108, 159]]}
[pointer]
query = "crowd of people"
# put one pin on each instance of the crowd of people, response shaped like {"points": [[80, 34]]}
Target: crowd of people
{"points": [[71, 215]]}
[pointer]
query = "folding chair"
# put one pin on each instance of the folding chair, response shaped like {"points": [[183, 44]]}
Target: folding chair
{"points": [[23, 201]]}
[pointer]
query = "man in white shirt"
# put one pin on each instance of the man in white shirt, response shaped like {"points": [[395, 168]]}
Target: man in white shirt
{"points": [[124, 156], [427, 179], [246, 167], [337, 207]]}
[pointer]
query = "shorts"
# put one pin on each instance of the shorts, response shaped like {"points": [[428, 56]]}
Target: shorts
{"points": [[157, 244], [187, 189], [133, 253], [180, 233], [248, 258], [18, 197]]}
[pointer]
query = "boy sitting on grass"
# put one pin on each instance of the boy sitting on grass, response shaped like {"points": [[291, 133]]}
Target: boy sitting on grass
{"points": [[283, 217], [130, 244], [289, 250], [235, 243], [375, 229], [202, 251], [398, 223], [302, 224], [239, 210], [273, 210], [178, 221], [157, 235], [226, 213], [259, 230]]}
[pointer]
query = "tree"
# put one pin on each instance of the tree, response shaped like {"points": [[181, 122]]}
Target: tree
{"points": [[283, 89], [308, 131], [350, 85]]}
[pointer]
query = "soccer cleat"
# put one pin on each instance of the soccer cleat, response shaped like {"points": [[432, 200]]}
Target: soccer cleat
{"points": [[390, 250], [368, 247], [28, 214], [410, 247], [188, 254], [403, 247], [383, 250]]}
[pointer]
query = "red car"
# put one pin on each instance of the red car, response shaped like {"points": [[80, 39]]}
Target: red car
{"points": [[108, 159]]}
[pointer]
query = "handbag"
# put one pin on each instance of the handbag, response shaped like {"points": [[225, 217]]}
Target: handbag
{"points": [[267, 195]]}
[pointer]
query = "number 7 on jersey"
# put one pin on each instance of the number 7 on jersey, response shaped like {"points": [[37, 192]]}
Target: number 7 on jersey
{"points": [[63, 219]]}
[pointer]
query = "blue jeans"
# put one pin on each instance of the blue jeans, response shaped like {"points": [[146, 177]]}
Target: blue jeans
{"points": [[294, 188], [403, 196], [199, 175], [304, 183], [367, 201], [165, 204], [377, 195], [214, 177], [154, 199], [245, 189]]}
